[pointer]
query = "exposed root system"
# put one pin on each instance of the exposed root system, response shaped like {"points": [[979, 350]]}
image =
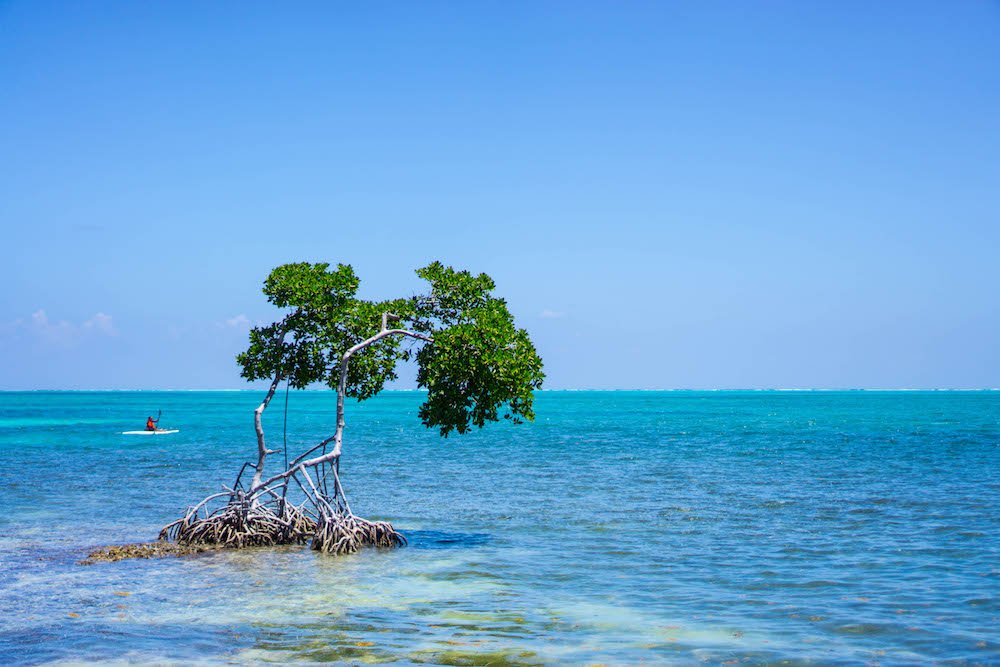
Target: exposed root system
{"points": [[341, 532], [263, 516], [242, 523]]}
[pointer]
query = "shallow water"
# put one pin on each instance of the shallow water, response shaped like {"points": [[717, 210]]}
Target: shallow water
{"points": [[620, 528]]}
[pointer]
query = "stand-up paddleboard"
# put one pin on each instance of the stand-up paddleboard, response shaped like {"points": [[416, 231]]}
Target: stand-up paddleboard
{"points": [[163, 431]]}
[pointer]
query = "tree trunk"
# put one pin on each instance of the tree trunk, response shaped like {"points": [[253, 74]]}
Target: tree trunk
{"points": [[262, 450]]}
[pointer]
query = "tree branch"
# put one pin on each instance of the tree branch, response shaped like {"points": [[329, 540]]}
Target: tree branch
{"points": [[342, 385]]}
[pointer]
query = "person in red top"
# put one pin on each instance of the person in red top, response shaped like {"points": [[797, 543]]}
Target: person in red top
{"points": [[151, 424]]}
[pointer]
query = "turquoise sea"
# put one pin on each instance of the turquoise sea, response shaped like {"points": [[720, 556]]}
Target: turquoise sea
{"points": [[621, 528]]}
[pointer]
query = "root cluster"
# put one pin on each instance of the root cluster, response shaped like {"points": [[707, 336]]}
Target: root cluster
{"points": [[263, 516], [242, 523], [341, 532]]}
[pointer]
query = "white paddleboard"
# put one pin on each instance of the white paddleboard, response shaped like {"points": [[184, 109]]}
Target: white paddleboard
{"points": [[165, 431]]}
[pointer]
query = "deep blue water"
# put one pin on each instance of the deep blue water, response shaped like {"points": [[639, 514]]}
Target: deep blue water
{"points": [[619, 528]]}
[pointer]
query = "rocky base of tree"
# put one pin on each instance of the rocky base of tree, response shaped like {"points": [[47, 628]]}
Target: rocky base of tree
{"points": [[159, 549]]}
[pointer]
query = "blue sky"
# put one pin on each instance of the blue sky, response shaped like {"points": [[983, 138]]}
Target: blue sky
{"points": [[690, 195]]}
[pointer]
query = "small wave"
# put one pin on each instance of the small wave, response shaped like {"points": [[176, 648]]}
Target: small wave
{"points": [[863, 629], [433, 539], [777, 504]]}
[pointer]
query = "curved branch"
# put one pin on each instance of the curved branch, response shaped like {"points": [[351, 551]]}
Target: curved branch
{"points": [[342, 385], [310, 451]]}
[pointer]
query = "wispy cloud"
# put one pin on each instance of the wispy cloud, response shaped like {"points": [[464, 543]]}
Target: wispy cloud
{"points": [[240, 321], [102, 323], [62, 332], [551, 314], [59, 333]]}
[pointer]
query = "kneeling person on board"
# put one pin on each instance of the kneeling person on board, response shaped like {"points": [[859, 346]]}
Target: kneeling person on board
{"points": [[151, 423]]}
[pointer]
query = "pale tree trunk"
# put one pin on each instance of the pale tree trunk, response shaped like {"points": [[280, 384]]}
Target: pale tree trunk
{"points": [[262, 450]]}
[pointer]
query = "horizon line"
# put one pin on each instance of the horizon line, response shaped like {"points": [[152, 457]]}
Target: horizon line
{"points": [[609, 390]]}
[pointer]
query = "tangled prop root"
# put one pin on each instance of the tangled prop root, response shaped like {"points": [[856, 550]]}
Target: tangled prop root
{"points": [[242, 524], [341, 532]]}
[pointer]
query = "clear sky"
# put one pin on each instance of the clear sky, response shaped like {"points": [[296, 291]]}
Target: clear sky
{"points": [[689, 195]]}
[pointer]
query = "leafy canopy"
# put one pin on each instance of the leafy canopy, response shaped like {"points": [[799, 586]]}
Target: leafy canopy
{"points": [[479, 367]]}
